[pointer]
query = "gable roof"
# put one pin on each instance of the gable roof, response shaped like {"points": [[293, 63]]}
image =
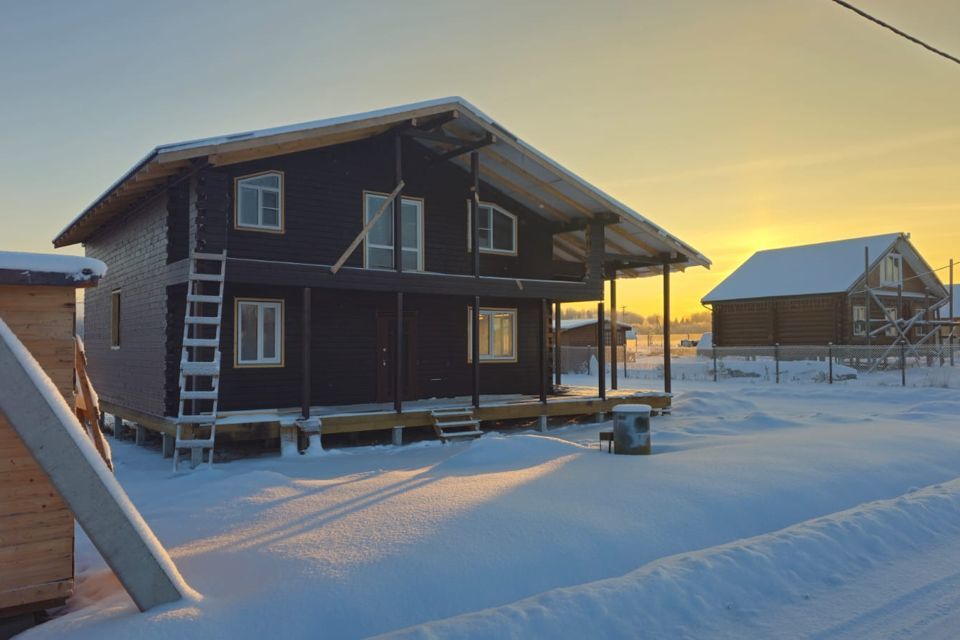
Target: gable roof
{"points": [[508, 164], [827, 267]]}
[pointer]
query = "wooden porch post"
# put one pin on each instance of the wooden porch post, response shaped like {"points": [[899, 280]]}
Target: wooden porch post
{"points": [[543, 351], [953, 317], [666, 327], [475, 246], [556, 345], [601, 355], [398, 354], [866, 298], [305, 389], [614, 331]]}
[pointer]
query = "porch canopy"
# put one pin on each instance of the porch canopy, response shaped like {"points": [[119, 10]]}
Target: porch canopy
{"points": [[450, 127]]}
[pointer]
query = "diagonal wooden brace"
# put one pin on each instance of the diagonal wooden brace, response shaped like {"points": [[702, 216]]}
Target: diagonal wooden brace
{"points": [[368, 227]]}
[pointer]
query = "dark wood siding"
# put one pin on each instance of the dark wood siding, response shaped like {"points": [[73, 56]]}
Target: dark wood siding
{"points": [[323, 209], [801, 320], [345, 349], [134, 248]]}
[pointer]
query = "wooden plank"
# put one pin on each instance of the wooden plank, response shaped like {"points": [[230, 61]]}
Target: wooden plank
{"points": [[41, 594], [34, 527]]}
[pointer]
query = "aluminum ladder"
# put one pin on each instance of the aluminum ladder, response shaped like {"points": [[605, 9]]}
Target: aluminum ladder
{"points": [[200, 356]]}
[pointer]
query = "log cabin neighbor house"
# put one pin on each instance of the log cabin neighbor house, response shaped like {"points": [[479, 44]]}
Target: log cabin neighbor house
{"points": [[255, 278], [815, 295]]}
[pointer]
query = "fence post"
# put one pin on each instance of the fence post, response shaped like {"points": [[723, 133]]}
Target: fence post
{"points": [[714, 350], [776, 359], [830, 360], [903, 364]]}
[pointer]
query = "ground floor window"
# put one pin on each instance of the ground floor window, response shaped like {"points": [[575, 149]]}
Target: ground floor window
{"points": [[859, 320], [259, 332], [891, 315], [498, 335]]}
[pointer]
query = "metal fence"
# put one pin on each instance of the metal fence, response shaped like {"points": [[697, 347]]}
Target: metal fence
{"points": [[906, 365]]}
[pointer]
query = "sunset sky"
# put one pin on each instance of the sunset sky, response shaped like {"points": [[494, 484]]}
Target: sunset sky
{"points": [[736, 125]]}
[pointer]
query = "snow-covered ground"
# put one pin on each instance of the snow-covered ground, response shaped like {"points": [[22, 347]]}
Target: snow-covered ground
{"points": [[765, 511]]}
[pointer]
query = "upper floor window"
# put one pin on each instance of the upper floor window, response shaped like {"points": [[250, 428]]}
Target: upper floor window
{"points": [[497, 229], [891, 270], [259, 202], [379, 242]]}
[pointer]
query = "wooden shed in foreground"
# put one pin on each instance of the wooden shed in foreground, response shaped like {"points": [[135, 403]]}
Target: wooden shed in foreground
{"points": [[38, 303]]}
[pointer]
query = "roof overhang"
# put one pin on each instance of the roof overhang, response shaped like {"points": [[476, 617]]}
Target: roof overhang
{"points": [[506, 162]]}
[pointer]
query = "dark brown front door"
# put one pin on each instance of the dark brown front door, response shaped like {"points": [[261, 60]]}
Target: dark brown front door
{"points": [[386, 355]]}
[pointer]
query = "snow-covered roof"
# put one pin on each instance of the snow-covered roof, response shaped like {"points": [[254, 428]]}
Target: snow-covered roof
{"points": [[47, 268], [827, 267], [576, 323], [509, 164]]}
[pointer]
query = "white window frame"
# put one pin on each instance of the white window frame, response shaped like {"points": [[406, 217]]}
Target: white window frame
{"points": [[886, 270], [259, 226], [278, 333], [891, 312], [490, 312], [492, 208], [859, 315], [368, 213]]}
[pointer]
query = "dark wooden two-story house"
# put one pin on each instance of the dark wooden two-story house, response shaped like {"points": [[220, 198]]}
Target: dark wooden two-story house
{"points": [[272, 254], [815, 295]]}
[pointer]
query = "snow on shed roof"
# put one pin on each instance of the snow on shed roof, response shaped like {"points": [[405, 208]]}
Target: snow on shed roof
{"points": [[576, 323], [46, 268], [827, 267], [509, 164]]}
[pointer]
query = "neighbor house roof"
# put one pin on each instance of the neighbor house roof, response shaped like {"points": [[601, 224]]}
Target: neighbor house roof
{"points": [[18, 267], [827, 267], [508, 163], [576, 323]]}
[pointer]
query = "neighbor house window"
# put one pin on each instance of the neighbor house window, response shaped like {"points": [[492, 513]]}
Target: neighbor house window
{"points": [[379, 242], [259, 201], [859, 320], [891, 315], [891, 270], [498, 335], [115, 319], [259, 331], [497, 229]]}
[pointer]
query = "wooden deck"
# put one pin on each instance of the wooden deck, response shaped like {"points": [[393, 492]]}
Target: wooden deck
{"points": [[573, 402]]}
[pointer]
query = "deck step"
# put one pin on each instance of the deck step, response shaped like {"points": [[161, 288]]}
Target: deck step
{"points": [[450, 413], [210, 320], [209, 394], [458, 423], [446, 435], [201, 342], [200, 368], [197, 443], [209, 277], [196, 297]]}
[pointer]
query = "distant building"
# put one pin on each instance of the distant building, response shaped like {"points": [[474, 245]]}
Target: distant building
{"points": [[814, 294], [582, 333]]}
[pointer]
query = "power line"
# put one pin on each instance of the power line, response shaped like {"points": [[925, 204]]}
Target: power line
{"points": [[900, 33]]}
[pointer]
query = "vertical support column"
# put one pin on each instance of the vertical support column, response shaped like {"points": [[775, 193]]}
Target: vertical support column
{"points": [[475, 210], [866, 298], [398, 357], [305, 401], [398, 354], [543, 351], [953, 317], [667, 374], [601, 354], [557, 364], [614, 331], [475, 349], [117, 427]]}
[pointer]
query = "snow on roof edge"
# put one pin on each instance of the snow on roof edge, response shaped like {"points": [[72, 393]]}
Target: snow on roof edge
{"points": [[77, 268]]}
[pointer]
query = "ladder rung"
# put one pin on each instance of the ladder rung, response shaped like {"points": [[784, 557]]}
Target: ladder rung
{"points": [[211, 277], [210, 394], [196, 297], [197, 255], [201, 342], [200, 368], [200, 418], [211, 320], [206, 443]]}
